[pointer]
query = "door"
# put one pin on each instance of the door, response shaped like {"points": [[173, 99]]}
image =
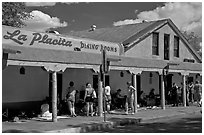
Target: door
{"points": [[166, 46], [168, 87], [138, 81], [95, 82]]}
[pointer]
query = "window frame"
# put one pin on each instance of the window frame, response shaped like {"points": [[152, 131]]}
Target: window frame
{"points": [[176, 46], [167, 46], [155, 44]]}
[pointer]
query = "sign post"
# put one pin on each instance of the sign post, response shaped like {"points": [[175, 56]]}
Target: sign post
{"points": [[105, 69]]}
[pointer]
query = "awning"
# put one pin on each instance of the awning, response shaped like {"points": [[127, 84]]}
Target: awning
{"points": [[70, 59]]}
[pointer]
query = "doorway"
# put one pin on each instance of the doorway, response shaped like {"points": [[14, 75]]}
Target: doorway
{"points": [[168, 87]]}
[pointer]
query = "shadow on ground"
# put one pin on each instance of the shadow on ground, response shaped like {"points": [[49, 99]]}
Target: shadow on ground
{"points": [[20, 131], [111, 122], [183, 125]]}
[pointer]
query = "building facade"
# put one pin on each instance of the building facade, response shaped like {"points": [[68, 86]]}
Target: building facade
{"points": [[146, 51]]}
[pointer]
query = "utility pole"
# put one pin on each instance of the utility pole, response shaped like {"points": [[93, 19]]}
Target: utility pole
{"points": [[105, 69]]}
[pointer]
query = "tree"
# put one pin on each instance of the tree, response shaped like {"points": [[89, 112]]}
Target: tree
{"points": [[13, 13], [194, 40]]}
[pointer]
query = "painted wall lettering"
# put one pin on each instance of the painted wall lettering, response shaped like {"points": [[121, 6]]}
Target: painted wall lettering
{"points": [[97, 47], [16, 36]]}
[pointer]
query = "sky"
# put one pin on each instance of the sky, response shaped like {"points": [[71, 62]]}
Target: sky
{"points": [[68, 16]]}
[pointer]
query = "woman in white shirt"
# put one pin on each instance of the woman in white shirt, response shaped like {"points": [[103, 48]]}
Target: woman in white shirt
{"points": [[108, 97]]}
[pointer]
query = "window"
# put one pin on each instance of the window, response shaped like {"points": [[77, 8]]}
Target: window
{"points": [[176, 46], [155, 44], [166, 46]]}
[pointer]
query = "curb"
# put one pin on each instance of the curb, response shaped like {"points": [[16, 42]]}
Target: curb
{"points": [[98, 126], [169, 116], [112, 124]]}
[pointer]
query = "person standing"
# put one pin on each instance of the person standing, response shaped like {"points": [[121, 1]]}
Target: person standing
{"points": [[130, 98], [89, 96], [108, 98], [198, 92], [71, 93], [187, 95], [191, 92], [175, 94]]}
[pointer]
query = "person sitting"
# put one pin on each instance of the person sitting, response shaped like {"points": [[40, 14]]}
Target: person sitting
{"points": [[142, 99], [119, 100], [152, 98], [45, 110]]}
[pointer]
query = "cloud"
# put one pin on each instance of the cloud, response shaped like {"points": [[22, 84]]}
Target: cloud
{"points": [[127, 21], [33, 4], [41, 22], [41, 4], [186, 16]]}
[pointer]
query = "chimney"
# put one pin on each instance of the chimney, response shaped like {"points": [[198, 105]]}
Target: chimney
{"points": [[143, 21], [53, 31], [93, 27]]}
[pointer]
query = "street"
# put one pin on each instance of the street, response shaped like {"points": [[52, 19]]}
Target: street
{"points": [[189, 123]]}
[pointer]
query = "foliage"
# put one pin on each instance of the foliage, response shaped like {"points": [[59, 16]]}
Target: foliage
{"points": [[194, 41], [13, 13]]}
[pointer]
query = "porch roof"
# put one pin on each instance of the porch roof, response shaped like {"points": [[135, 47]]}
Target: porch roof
{"points": [[70, 57]]}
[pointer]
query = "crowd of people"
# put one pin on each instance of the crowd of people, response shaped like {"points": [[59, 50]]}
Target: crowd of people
{"points": [[90, 99], [89, 104], [193, 94]]}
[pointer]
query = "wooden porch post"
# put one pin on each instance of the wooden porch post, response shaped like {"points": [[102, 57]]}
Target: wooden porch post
{"points": [[135, 93], [162, 92], [184, 88], [100, 96], [54, 96]]}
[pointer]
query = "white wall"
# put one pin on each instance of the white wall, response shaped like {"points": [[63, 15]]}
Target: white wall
{"points": [[118, 82], [144, 48], [32, 86], [79, 76], [177, 78], [146, 86]]}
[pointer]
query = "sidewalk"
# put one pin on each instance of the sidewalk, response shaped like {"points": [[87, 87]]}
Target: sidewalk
{"points": [[85, 124]]}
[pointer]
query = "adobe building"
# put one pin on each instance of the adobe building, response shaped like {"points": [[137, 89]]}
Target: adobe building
{"points": [[147, 51]]}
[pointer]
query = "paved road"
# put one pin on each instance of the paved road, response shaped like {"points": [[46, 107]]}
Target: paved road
{"points": [[189, 123]]}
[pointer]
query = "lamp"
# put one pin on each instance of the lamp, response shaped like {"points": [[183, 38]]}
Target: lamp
{"points": [[150, 74], [22, 70], [121, 74]]}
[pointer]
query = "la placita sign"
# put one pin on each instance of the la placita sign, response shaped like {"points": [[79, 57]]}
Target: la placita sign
{"points": [[16, 36]]}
